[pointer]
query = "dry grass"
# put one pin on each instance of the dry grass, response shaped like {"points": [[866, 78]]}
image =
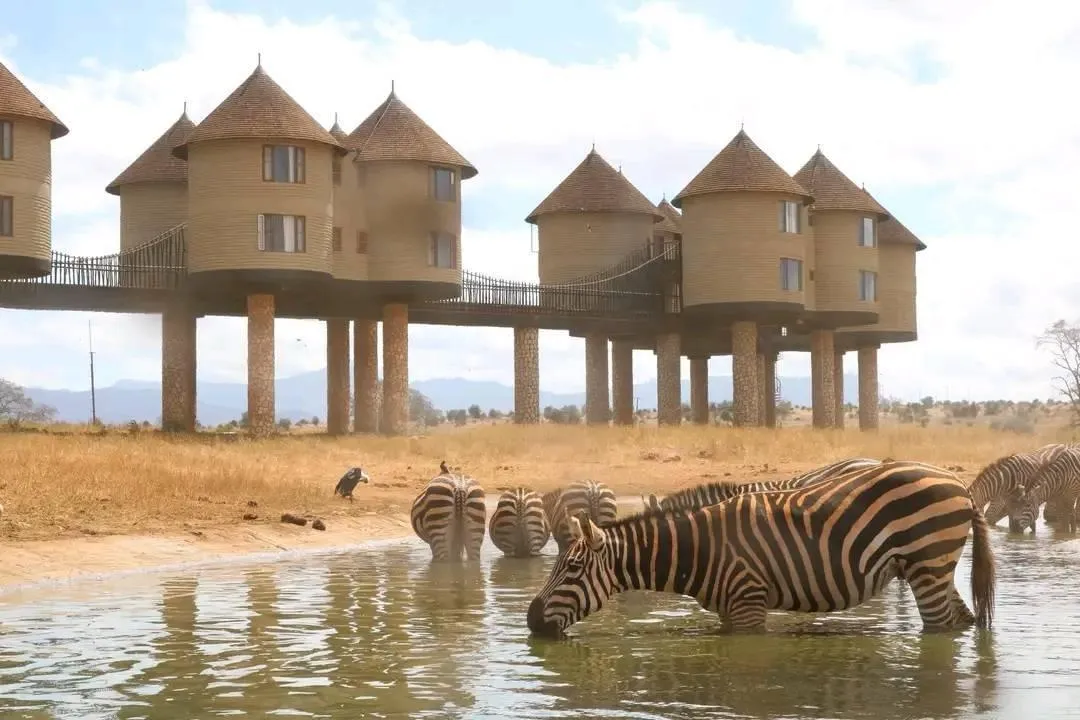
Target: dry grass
{"points": [[64, 485]]}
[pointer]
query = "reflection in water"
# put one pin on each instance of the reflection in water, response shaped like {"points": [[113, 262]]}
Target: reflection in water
{"points": [[385, 633]]}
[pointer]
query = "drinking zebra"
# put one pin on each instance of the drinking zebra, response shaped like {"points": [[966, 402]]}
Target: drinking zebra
{"points": [[594, 498], [450, 516], [519, 524], [1057, 480], [991, 487], [824, 547]]}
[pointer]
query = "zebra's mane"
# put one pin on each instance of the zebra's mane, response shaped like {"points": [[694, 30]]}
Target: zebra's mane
{"points": [[701, 489]]}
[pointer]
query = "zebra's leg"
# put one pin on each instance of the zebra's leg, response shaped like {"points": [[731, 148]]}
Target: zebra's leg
{"points": [[747, 611], [935, 594], [962, 615]]}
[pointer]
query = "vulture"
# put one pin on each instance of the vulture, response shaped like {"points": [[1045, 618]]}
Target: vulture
{"points": [[349, 481]]}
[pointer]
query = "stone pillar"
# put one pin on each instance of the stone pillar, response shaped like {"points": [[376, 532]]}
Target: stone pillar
{"points": [[762, 390], [526, 375], [668, 379], [260, 369], [337, 376], [744, 368], [597, 403], [838, 389], [868, 388], [822, 355], [769, 383], [395, 389], [178, 350], [365, 376], [622, 381], [699, 390]]}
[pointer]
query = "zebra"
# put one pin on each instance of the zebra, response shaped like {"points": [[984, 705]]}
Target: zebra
{"points": [[449, 515], [1059, 479], [992, 485], [820, 548], [349, 481], [590, 496], [834, 470], [519, 525]]}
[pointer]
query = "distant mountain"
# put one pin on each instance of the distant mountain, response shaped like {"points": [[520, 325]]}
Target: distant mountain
{"points": [[304, 396]]}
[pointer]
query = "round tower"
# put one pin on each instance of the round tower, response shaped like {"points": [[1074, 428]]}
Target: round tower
{"points": [[27, 129], [153, 189], [591, 221], [669, 230], [346, 262], [406, 220], [260, 192], [845, 223], [744, 248]]}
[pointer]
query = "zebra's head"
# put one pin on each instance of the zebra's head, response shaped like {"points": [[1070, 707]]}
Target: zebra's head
{"points": [[580, 583], [1021, 509]]}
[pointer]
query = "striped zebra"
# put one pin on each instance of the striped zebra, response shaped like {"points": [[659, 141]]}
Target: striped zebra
{"points": [[519, 525], [595, 498], [1057, 480], [821, 548], [991, 487], [449, 515]]}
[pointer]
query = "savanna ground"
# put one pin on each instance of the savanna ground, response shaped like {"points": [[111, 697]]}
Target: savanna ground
{"points": [[89, 502]]}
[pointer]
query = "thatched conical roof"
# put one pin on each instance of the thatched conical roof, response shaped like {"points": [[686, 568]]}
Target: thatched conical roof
{"points": [[892, 231], [672, 221], [340, 135], [595, 186], [157, 163], [832, 189], [16, 100]]}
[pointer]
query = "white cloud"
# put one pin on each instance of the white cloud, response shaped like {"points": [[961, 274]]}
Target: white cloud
{"points": [[993, 133]]}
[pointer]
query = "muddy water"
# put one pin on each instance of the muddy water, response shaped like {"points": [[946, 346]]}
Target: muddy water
{"points": [[379, 632]]}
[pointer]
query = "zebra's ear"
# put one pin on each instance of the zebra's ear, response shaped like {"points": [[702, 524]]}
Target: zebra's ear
{"points": [[582, 527]]}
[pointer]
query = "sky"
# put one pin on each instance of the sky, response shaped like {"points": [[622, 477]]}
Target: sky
{"points": [[954, 115]]}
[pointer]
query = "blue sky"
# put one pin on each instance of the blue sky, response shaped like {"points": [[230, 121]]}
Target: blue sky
{"points": [[925, 115]]}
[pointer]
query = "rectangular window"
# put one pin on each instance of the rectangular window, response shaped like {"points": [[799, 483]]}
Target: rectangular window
{"points": [[336, 239], [283, 164], [361, 242], [443, 185], [283, 233], [443, 250], [791, 274], [7, 216], [789, 217], [336, 165], [866, 233], [7, 140], [867, 286]]}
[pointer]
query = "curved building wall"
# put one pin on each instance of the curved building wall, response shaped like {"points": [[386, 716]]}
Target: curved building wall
{"points": [[402, 217], [350, 215], [732, 246], [897, 295], [226, 194], [571, 245], [147, 209], [27, 180], [838, 258]]}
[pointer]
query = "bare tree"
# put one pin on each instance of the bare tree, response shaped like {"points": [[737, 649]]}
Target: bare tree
{"points": [[1063, 341], [16, 407]]}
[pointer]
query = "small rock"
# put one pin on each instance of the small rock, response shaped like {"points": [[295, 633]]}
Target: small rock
{"points": [[251, 516], [197, 533], [293, 519], [203, 498], [318, 524], [673, 457], [252, 503]]}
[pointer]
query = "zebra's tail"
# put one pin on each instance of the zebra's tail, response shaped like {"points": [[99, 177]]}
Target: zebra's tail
{"points": [[983, 574], [457, 522]]}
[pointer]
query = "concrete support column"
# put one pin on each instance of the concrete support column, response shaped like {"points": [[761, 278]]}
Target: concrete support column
{"points": [[526, 375], [668, 379], [868, 388], [838, 389], [337, 376], [597, 402], [699, 390], [622, 381], [744, 366], [260, 369], [178, 351], [769, 383], [395, 389], [365, 376], [822, 356], [762, 390]]}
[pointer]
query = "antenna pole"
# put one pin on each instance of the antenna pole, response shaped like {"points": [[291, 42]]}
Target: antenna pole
{"points": [[93, 392]]}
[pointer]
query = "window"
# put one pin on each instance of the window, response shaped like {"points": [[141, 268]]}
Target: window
{"points": [[442, 184], [866, 233], [336, 165], [283, 233], [867, 286], [791, 274], [789, 216], [283, 164], [361, 242], [7, 140], [443, 250], [7, 219], [336, 239]]}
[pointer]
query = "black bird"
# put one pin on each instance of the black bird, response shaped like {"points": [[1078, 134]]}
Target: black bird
{"points": [[442, 468], [349, 481]]}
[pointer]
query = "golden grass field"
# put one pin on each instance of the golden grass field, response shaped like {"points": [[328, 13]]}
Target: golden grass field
{"points": [[62, 486]]}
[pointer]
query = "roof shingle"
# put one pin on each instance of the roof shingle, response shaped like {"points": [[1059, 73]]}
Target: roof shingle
{"points": [[832, 189], [157, 163], [892, 231], [595, 186], [17, 100], [672, 221]]}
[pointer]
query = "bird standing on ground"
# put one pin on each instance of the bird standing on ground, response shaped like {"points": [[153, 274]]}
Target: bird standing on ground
{"points": [[442, 468], [349, 481]]}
